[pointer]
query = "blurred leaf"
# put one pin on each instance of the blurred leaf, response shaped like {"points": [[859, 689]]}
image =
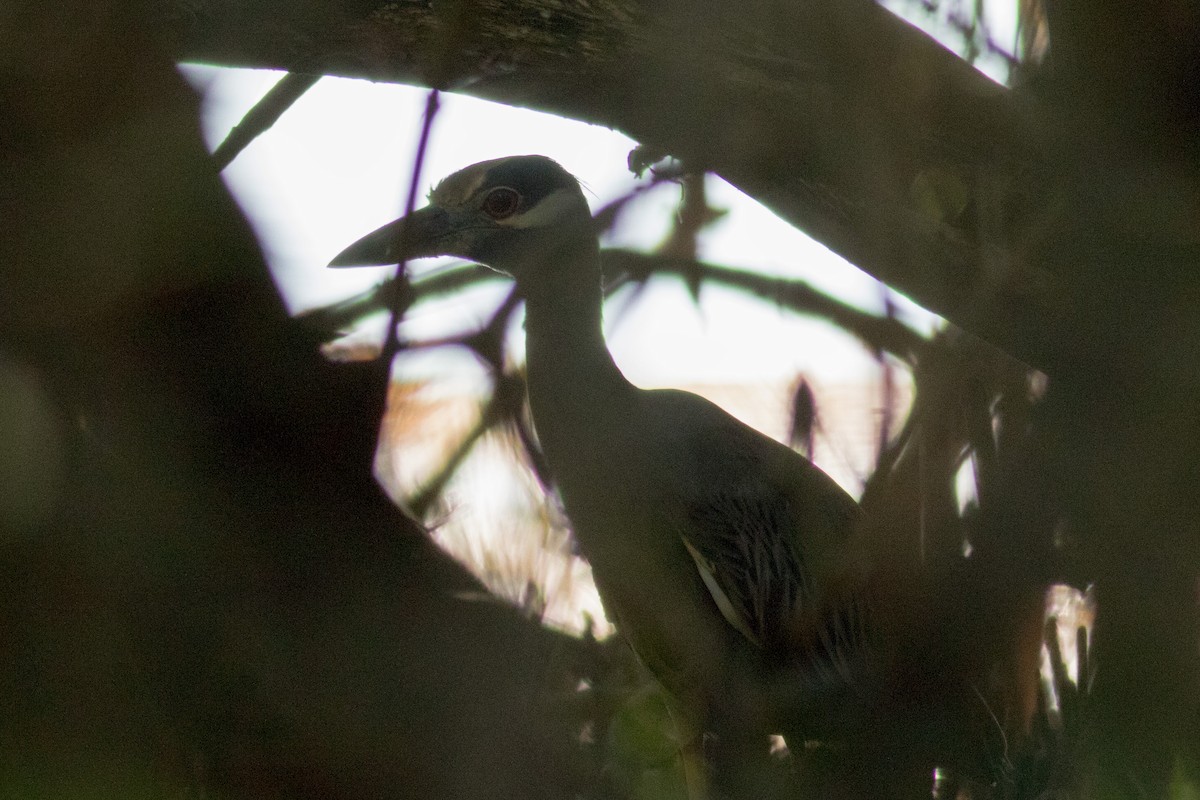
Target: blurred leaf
{"points": [[642, 749], [642, 733], [1185, 779], [661, 784]]}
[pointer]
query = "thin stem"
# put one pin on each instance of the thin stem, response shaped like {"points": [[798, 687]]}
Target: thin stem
{"points": [[393, 297]]}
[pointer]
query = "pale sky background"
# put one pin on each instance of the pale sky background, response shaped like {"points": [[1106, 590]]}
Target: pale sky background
{"points": [[337, 165]]}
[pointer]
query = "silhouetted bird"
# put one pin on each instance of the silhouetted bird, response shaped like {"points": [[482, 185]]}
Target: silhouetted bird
{"points": [[723, 557]]}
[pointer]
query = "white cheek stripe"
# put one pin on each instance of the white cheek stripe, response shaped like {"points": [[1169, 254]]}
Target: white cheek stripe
{"points": [[559, 205], [452, 191], [476, 182]]}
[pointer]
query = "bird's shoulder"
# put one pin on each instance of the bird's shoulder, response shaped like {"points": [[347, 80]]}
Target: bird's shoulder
{"points": [[708, 450]]}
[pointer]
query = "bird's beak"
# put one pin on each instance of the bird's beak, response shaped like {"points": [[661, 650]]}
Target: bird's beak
{"points": [[420, 234]]}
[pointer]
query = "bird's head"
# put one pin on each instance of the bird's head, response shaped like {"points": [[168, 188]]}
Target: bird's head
{"points": [[513, 214]]}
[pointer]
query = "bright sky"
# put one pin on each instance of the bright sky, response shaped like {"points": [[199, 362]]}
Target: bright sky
{"points": [[337, 165]]}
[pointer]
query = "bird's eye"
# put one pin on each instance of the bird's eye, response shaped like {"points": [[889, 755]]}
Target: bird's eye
{"points": [[501, 202]]}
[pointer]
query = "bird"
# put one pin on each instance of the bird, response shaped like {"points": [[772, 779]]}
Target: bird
{"points": [[725, 559]]}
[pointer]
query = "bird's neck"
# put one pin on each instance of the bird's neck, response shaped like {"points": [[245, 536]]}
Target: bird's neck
{"points": [[572, 376]]}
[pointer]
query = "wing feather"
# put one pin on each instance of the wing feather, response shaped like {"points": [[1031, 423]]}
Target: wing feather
{"points": [[745, 545]]}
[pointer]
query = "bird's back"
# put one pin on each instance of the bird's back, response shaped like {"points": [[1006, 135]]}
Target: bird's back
{"points": [[711, 542]]}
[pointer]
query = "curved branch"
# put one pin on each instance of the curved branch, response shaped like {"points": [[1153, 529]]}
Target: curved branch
{"points": [[875, 332]]}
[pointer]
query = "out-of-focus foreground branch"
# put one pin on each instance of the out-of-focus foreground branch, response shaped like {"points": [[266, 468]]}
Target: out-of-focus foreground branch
{"points": [[205, 591]]}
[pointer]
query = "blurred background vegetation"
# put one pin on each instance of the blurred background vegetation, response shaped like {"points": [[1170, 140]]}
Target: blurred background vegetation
{"points": [[206, 592]]}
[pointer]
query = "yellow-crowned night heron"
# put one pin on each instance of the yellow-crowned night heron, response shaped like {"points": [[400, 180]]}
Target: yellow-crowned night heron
{"points": [[717, 550]]}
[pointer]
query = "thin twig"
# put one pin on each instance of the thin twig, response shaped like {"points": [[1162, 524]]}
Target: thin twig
{"points": [[259, 119], [392, 295], [889, 335]]}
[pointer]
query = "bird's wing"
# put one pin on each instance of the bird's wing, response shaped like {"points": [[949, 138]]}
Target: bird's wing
{"points": [[766, 529], [783, 576], [743, 541]]}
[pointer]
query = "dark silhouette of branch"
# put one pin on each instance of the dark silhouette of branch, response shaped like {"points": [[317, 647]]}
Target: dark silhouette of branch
{"points": [[262, 116], [876, 333], [882, 334]]}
